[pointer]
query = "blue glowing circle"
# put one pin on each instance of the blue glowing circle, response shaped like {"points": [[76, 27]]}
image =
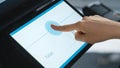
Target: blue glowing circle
{"points": [[50, 29]]}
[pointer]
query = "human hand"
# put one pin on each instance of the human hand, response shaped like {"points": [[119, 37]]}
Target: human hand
{"points": [[92, 29]]}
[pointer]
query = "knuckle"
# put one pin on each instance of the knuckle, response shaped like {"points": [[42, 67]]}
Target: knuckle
{"points": [[86, 17], [96, 15]]}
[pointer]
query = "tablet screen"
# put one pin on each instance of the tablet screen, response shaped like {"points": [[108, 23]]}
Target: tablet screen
{"points": [[51, 48]]}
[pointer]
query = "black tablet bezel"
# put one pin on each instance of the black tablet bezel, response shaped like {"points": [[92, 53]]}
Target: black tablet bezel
{"points": [[28, 17]]}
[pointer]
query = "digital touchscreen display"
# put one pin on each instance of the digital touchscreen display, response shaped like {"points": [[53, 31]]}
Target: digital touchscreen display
{"points": [[51, 48]]}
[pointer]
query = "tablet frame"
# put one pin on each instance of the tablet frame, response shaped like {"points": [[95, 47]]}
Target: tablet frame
{"points": [[28, 17]]}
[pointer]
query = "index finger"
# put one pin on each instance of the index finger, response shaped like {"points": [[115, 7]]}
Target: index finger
{"points": [[69, 27]]}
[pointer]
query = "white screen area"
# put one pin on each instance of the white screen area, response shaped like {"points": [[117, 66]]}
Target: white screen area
{"points": [[52, 49]]}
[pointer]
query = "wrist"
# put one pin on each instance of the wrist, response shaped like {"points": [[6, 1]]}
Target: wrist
{"points": [[116, 30]]}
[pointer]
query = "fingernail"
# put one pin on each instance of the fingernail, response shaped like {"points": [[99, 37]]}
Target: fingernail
{"points": [[53, 26]]}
